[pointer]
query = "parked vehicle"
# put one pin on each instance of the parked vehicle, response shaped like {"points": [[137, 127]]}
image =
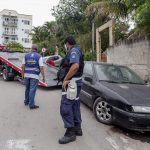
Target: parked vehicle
{"points": [[53, 60], [117, 95]]}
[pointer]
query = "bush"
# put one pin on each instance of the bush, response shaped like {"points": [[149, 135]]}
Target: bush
{"points": [[15, 47], [88, 56]]}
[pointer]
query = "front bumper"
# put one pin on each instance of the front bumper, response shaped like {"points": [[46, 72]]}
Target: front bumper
{"points": [[131, 120]]}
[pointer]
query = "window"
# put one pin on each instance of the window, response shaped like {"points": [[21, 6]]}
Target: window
{"points": [[6, 31], [119, 74], [7, 19], [13, 39], [25, 40], [14, 21], [26, 22], [88, 69], [13, 31], [27, 31]]}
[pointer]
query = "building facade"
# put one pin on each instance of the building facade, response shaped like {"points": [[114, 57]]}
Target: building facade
{"points": [[15, 27]]}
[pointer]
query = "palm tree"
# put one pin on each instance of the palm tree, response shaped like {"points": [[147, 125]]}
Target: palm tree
{"points": [[102, 8], [52, 29], [37, 34]]}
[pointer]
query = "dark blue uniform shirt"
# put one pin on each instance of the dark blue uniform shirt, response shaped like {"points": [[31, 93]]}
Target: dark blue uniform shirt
{"points": [[73, 56]]}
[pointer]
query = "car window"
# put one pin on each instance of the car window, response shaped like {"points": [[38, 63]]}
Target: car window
{"points": [[114, 73], [88, 69], [129, 75], [117, 74], [55, 58]]}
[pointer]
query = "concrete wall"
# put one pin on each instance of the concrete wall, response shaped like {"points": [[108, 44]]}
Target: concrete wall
{"points": [[132, 53]]}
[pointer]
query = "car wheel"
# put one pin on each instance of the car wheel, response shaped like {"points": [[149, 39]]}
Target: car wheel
{"points": [[103, 111], [6, 77]]}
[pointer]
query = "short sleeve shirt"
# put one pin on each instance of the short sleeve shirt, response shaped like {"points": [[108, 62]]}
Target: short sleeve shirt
{"points": [[74, 56]]}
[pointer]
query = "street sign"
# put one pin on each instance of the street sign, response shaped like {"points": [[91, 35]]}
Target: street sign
{"points": [[43, 50]]}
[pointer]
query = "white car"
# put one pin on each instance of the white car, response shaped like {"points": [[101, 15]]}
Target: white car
{"points": [[53, 60]]}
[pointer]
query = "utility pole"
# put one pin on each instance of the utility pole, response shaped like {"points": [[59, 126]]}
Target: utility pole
{"points": [[93, 33], [93, 38]]}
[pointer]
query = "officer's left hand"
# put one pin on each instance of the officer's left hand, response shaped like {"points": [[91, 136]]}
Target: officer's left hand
{"points": [[65, 84]]}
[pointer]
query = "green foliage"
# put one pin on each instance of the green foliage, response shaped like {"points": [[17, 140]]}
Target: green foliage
{"points": [[142, 16], [88, 56], [120, 30], [75, 17], [140, 11], [62, 53], [16, 47]]}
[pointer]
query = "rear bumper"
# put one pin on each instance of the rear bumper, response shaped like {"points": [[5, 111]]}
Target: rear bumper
{"points": [[132, 121]]}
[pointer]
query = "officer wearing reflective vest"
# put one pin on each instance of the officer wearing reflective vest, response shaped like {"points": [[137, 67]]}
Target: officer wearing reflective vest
{"points": [[32, 66], [72, 82]]}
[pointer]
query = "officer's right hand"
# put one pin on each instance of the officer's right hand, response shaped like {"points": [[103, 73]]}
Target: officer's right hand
{"points": [[65, 84]]}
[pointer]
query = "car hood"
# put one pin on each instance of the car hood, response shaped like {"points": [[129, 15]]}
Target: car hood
{"points": [[134, 94]]}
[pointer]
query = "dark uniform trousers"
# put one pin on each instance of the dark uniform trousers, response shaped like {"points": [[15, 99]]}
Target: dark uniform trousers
{"points": [[70, 110]]}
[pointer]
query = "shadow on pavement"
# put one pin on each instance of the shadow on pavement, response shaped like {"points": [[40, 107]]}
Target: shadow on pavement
{"points": [[136, 135], [49, 88]]}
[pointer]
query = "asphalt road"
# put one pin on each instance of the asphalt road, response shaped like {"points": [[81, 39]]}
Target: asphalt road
{"points": [[25, 129]]}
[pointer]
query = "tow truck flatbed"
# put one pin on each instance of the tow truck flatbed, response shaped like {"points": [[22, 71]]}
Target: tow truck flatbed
{"points": [[10, 65]]}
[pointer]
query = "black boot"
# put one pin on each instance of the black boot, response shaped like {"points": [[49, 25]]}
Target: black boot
{"points": [[78, 130], [68, 137]]}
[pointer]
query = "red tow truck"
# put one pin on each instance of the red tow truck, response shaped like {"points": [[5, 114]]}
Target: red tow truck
{"points": [[10, 68]]}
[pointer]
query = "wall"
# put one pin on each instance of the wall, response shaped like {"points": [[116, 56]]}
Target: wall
{"points": [[132, 53]]}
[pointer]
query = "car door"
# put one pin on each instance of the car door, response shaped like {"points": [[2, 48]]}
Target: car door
{"points": [[86, 92]]}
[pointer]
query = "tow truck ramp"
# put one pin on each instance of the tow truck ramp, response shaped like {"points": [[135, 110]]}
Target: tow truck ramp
{"points": [[10, 66]]}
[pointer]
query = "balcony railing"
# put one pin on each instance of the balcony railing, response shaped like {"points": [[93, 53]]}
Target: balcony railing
{"points": [[5, 41], [9, 34], [12, 24]]}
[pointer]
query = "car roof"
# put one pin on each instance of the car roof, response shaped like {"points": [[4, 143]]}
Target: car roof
{"points": [[104, 63]]}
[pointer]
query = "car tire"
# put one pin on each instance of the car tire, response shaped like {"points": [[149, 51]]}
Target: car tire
{"points": [[6, 77], [103, 111]]}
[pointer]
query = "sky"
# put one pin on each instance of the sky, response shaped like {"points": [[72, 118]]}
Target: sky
{"points": [[39, 9]]}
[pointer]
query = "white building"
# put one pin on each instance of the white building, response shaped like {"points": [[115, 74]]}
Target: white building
{"points": [[15, 27]]}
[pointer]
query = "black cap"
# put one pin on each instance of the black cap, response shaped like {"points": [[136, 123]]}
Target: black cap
{"points": [[70, 40]]}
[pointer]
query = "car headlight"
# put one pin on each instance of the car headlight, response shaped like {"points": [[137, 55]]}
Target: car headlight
{"points": [[141, 109]]}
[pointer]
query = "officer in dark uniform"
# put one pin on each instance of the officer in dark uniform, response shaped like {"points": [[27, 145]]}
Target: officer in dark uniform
{"points": [[70, 103]]}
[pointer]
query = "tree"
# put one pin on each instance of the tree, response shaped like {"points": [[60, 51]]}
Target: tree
{"points": [[138, 9], [38, 34], [142, 15], [70, 16], [111, 8]]}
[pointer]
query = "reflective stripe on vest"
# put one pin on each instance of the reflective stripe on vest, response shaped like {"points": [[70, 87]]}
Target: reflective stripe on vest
{"points": [[32, 63]]}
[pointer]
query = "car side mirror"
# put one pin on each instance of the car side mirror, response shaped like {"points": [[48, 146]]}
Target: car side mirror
{"points": [[89, 79]]}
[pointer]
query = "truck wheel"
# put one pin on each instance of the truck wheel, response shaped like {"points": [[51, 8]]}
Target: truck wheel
{"points": [[103, 111], [6, 77]]}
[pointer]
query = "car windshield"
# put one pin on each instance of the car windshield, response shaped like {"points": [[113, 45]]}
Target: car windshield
{"points": [[117, 74], [44, 58]]}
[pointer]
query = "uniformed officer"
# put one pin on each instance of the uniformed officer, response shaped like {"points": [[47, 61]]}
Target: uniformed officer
{"points": [[70, 103], [32, 65]]}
